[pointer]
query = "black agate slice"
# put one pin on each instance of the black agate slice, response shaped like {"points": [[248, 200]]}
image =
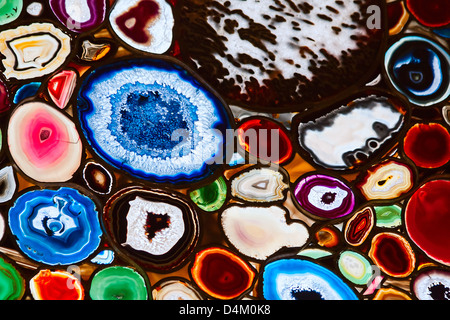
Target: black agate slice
{"points": [[156, 228]]}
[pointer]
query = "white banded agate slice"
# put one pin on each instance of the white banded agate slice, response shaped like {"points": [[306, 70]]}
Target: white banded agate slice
{"points": [[34, 50], [259, 232], [259, 185]]}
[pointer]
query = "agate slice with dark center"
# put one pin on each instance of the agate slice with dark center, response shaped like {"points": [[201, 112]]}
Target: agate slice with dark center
{"points": [[156, 228], [281, 55], [324, 197]]}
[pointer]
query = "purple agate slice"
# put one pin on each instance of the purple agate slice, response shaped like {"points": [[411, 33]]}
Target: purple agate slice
{"points": [[324, 196], [79, 16]]}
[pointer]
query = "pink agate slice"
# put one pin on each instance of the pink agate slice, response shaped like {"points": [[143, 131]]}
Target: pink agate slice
{"points": [[44, 142]]}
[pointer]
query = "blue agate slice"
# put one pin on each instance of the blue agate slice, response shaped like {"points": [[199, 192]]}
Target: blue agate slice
{"points": [[154, 120], [297, 279], [55, 226]]}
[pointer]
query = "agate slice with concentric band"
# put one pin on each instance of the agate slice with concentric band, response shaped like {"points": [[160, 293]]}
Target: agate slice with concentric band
{"points": [[419, 68], [44, 142], [55, 227], [154, 120], [157, 228]]}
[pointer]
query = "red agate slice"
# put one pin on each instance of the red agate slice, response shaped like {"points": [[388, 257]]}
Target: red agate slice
{"points": [[430, 13], [56, 285], [393, 254], [427, 219], [359, 226], [221, 273], [427, 145], [61, 87], [266, 140]]}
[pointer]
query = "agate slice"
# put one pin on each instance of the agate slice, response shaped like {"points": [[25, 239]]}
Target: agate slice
{"points": [[392, 254], [94, 51], [61, 87], [11, 282], [430, 13], [56, 285], [7, 184], [389, 179], [154, 120], [353, 134], [35, 9], [324, 197], [79, 15], [358, 227], [175, 289], [355, 267], [55, 226], [328, 236], [157, 228], [298, 279], [427, 219], [26, 91], [2, 227], [388, 216], [104, 257], [265, 140], [278, 56], [259, 232], [432, 284], [427, 145], [44, 142], [390, 294], [259, 185], [397, 15], [10, 10], [212, 196], [118, 283], [34, 50], [144, 25], [222, 274], [419, 69], [5, 104], [97, 178]]}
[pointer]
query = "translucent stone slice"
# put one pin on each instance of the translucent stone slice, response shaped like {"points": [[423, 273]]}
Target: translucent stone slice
{"points": [[33, 50], [386, 180], [210, 197], [144, 25], [259, 232], [259, 185], [44, 143]]}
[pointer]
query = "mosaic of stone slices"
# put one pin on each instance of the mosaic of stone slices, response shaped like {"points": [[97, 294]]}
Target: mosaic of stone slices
{"points": [[211, 149]]}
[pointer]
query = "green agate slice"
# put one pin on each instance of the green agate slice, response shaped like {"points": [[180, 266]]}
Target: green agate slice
{"points": [[10, 10], [388, 216], [12, 285], [118, 283], [210, 197]]}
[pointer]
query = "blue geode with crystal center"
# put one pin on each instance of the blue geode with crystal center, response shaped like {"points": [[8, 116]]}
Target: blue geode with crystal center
{"points": [[154, 119]]}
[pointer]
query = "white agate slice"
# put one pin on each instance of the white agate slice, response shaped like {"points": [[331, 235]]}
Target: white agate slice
{"points": [[33, 51], [259, 232], [259, 185]]}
